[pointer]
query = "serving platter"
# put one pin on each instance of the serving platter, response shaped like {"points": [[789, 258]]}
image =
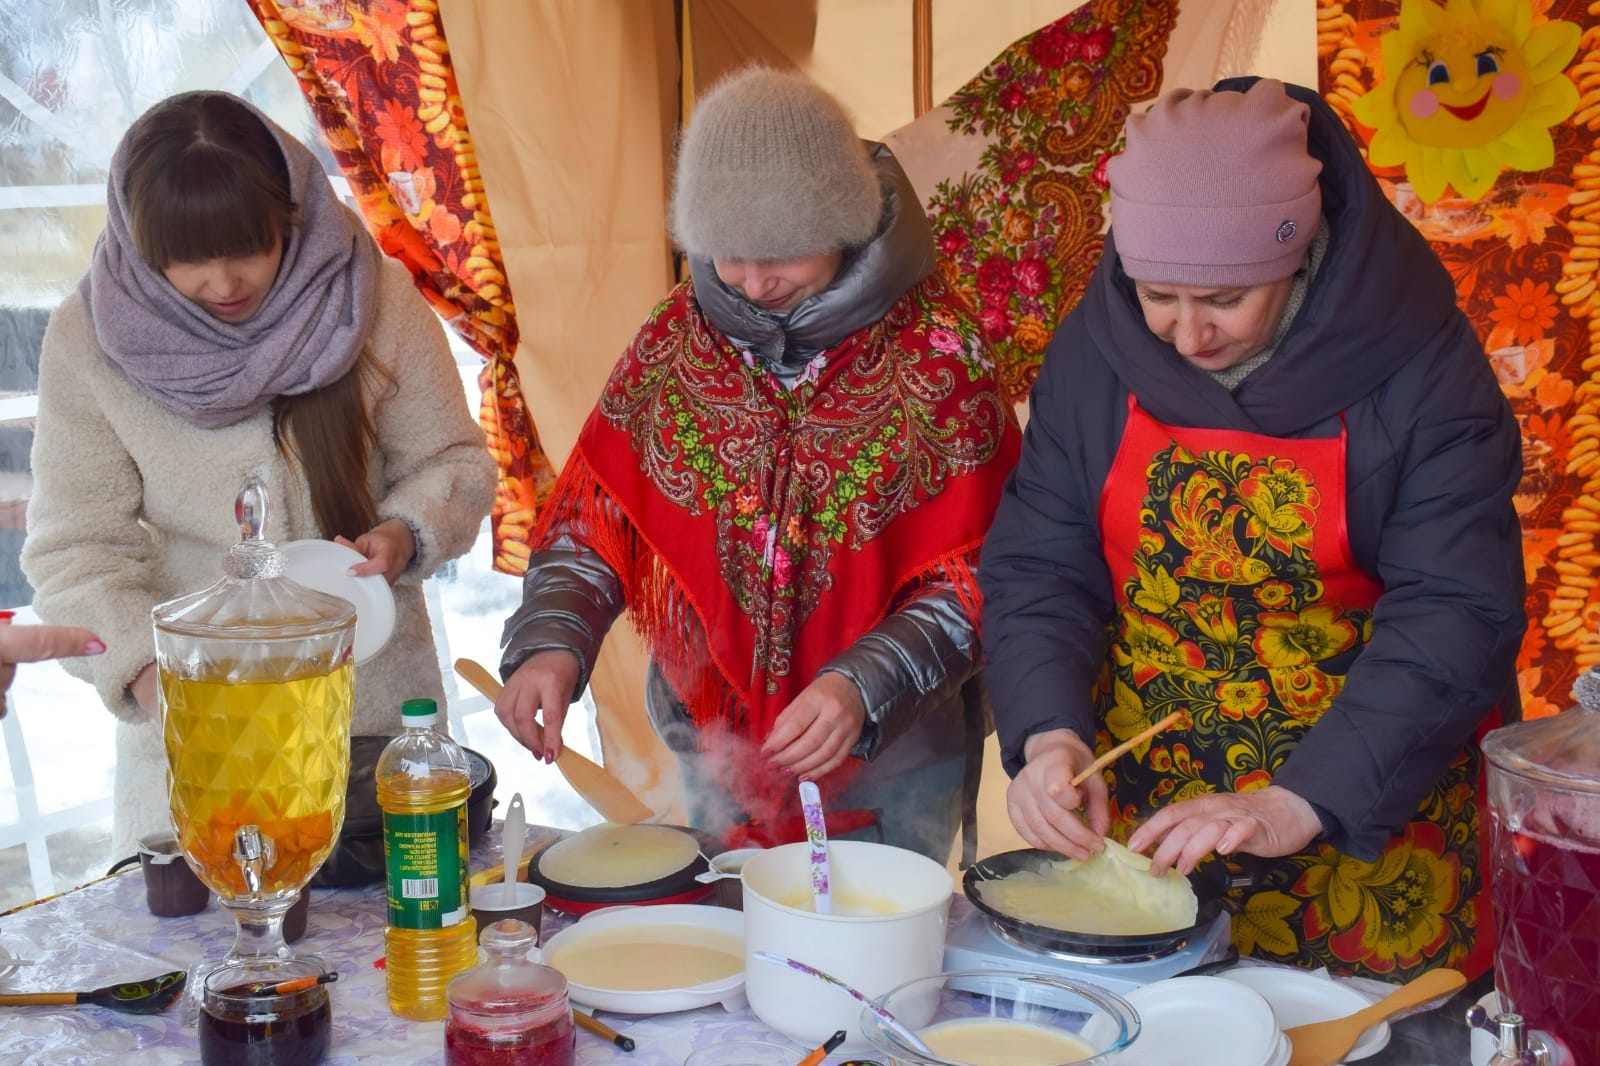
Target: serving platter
{"points": [[723, 923]]}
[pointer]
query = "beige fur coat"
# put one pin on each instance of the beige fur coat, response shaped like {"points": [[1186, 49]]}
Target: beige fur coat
{"points": [[132, 506]]}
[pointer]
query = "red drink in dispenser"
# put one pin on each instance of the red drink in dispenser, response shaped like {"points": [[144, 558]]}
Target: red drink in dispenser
{"points": [[1544, 834], [1547, 919]]}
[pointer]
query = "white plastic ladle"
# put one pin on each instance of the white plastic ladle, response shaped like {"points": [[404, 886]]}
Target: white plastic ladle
{"points": [[713, 872], [817, 837], [512, 833]]}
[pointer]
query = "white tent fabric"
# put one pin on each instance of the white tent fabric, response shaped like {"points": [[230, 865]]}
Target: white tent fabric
{"points": [[574, 108]]}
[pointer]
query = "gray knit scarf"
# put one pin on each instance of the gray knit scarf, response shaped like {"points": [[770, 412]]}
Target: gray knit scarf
{"points": [[871, 280], [307, 333], [1234, 376]]}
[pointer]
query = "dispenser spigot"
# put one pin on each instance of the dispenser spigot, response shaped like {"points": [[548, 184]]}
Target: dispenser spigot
{"points": [[250, 852], [1514, 1045]]}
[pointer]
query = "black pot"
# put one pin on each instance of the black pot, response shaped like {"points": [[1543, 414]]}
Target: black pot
{"points": [[1211, 881], [357, 856]]}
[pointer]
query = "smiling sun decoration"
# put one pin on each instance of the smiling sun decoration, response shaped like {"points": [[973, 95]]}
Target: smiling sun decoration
{"points": [[1470, 88]]}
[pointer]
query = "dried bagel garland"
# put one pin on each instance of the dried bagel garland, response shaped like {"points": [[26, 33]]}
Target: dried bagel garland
{"points": [[1336, 38], [1571, 619]]}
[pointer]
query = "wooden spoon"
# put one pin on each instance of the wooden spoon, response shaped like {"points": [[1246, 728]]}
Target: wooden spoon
{"points": [[1326, 1043], [135, 997], [614, 801]]}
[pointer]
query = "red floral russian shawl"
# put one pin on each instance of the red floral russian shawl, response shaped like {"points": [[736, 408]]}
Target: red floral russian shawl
{"points": [[759, 531]]}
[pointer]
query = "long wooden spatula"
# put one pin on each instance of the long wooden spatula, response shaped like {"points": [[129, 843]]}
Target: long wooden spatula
{"points": [[599, 788], [1326, 1043]]}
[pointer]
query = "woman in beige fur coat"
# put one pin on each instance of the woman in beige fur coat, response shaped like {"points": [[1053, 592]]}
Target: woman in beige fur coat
{"points": [[236, 317]]}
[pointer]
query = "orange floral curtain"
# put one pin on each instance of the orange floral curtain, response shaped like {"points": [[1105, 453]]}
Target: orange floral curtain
{"points": [[379, 79], [1479, 118]]}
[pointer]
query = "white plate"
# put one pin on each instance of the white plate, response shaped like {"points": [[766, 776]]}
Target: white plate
{"points": [[324, 566], [1239, 1025], [728, 991], [1299, 997]]}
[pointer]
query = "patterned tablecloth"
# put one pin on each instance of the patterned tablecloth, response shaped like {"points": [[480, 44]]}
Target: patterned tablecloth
{"points": [[103, 933]]}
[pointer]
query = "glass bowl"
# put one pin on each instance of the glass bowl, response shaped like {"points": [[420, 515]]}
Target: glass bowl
{"points": [[1036, 1017]]}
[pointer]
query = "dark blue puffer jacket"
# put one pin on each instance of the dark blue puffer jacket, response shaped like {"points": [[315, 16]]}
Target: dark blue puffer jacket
{"points": [[1434, 455]]}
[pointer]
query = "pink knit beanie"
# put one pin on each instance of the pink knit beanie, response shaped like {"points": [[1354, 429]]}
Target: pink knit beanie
{"points": [[1216, 188]]}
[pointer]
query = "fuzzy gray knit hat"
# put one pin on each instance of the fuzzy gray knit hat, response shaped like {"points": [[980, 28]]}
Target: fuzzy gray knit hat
{"points": [[770, 168]]}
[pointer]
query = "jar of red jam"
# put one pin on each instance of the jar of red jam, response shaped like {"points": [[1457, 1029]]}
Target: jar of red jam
{"points": [[510, 1011]]}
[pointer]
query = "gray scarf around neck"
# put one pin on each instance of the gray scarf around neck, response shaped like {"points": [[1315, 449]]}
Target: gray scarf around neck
{"points": [[1234, 376], [869, 282], [307, 333]]}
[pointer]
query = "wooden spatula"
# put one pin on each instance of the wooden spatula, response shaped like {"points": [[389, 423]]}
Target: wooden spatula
{"points": [[1326, 1043], [599, 788]]}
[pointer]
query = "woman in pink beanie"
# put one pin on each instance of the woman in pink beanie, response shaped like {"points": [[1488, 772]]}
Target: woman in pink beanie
{"points": [[1266, 484]]}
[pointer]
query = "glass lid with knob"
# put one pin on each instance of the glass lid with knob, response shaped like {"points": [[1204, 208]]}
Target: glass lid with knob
{"points": [[254, 600], [1561, 751]]}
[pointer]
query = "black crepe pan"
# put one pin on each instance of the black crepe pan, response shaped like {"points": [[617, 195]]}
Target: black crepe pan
{"points": [[679, 886], [1211, 882], [357, 857]]}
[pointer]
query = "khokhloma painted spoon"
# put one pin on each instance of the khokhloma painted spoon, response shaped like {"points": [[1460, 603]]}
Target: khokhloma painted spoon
{"points": [[900, 1028], [134, 997]]}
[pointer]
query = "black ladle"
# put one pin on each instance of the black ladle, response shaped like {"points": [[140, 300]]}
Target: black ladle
{"points": [[134, 997]]}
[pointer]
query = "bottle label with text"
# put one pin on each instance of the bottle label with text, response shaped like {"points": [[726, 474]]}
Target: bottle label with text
{"points": [[426, 856]]}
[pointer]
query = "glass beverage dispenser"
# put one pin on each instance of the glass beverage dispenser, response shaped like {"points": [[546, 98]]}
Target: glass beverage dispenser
{"points": [[1544, 808], [257, 688]]}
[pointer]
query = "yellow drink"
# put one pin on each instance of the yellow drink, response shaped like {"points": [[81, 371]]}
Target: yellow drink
{"points": [[274, 754], [420, 962]]}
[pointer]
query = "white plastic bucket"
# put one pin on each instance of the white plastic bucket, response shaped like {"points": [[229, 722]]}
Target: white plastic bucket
{"points": [[872, 952]]}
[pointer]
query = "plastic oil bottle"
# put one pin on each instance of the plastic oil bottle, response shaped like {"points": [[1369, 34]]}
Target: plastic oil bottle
{"points": [[423, 787]]}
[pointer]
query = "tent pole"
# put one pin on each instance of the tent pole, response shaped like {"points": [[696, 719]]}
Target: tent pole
{"points": [[922, 56]]}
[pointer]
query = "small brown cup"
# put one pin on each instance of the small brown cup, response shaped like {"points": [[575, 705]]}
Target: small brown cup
{"points": [[171, 888], [730, 890], [489, 905], [294, 922]]}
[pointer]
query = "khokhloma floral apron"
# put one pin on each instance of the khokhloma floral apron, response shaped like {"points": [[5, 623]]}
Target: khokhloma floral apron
{"points": [[1239, 603]]}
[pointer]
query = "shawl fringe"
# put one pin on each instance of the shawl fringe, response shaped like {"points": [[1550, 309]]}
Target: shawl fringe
{"points": [[668, 617], [664, 610]]}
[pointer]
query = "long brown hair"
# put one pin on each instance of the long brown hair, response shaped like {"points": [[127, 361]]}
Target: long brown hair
{"points": [[204, 178]]}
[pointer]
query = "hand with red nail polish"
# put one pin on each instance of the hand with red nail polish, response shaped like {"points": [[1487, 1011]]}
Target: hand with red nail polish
{"points": [[534, 702], [29, 644]]}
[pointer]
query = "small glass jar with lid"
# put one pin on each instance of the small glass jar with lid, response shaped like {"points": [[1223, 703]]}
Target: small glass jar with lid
{"points": [[510, 1010]]}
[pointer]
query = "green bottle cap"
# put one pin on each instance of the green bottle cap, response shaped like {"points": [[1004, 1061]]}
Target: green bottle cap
{"points": [[420, 708]]}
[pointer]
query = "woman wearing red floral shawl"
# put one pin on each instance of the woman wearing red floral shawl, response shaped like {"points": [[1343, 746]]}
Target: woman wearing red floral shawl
{"points": [[786, 479]]}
